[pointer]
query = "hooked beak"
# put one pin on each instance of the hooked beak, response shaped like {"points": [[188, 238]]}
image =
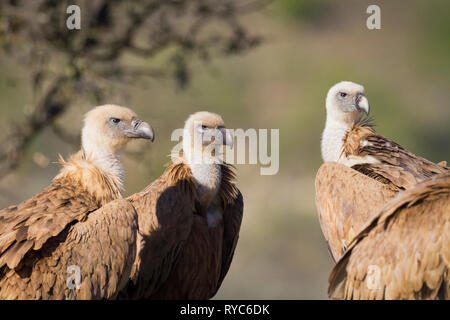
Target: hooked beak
{"points": [[140, 130], [361, 103], [227, 137]]}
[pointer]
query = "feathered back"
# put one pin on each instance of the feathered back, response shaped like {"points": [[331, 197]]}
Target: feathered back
{"points": [[179, 174], [177, 240], [358, 132], [385, 160], [408, 242], [80, 188], [228, 190]]}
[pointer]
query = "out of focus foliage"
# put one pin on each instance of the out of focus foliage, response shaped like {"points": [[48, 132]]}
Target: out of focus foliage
{"points": [[436, 46], [118, 43], [305, 10]]}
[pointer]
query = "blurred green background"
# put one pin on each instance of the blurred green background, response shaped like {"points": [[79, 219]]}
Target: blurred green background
{"points": [[308, 46]]}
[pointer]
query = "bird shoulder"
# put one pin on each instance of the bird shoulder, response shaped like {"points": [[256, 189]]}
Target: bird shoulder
{"points": [[83, 172]]}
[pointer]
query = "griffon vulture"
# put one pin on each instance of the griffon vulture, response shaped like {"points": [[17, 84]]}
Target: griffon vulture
{"points": [[55, 232], [351, 141], [378, 168], [189, 219], [404, 252]]}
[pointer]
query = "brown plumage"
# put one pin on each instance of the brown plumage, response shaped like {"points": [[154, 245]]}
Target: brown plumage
{"points": [[395, 166], [349, 140], [103, 246], [42, 235], [188, 229], [403, 253], [347, 198], [345, 201]]}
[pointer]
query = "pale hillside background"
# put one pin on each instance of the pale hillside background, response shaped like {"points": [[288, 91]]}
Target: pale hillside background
{"points": [[308, 46]]}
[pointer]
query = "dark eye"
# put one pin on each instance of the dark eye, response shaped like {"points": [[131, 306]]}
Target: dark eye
{"points": [[115, 120], [342, 94], [202, 129]]}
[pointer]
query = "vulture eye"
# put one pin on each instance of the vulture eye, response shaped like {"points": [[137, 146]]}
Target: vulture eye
{"points": [[342, 94], [115, 120]]}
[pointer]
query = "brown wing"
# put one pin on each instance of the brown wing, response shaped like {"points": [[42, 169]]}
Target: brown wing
{"points": [[345, 201], [404, 252], [165, 212], [30, 224], [397, 167], [88, 260], [232, 219]]}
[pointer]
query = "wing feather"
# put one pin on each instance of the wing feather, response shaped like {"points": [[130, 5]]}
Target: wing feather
{"points": [[345, 201], [232, 219], [32, 223], [165, 219], [103, 247], [393, 164], [403, 252]]}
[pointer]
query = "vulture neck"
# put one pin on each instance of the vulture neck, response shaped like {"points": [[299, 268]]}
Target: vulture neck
{"points": [[333, 138], [108, 161], [93, 175], [207, 177]]}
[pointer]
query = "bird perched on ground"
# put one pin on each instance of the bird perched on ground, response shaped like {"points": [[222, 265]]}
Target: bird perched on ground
{"points": [[370, 171], [58, 228], [403, 253], [189, 219]]}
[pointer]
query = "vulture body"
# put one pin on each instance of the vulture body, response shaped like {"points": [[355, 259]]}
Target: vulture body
{"points": [[370, 169], [346, 199], [403, 253], [189, 221], [60, 227]]}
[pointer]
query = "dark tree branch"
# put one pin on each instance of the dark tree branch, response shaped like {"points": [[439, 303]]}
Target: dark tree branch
{"points": [[90, 62]]}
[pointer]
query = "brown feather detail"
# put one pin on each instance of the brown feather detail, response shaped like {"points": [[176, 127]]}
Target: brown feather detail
{"points": [[103, 185], [179, 174], [165, 213], [232, 220], [80, 188], [103, 248], [396, 167], [367, 169], [179, 255], [346, 199], [408, 243], [228, 190], [358, 132]]}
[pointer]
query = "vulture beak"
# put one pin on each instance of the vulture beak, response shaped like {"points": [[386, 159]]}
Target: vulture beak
{"points": [[361, 103], [140, 130], [227, 137]]}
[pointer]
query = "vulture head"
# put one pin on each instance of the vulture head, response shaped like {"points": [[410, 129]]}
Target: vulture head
{"points": [[203, 136], [346, 102], [108, 128]]}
